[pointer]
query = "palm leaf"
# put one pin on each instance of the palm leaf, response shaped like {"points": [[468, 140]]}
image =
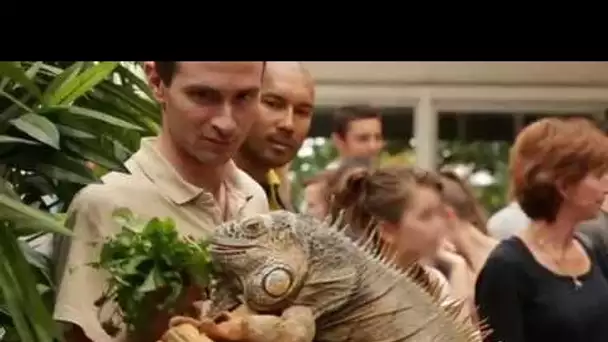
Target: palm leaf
{"points": [[55, 119]]}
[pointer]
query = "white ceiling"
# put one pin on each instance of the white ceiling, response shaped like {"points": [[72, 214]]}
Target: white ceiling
{"points": [[491, 73]]}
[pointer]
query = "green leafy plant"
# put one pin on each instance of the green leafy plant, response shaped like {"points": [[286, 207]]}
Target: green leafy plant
{"points": [[150, 267], [55, 122], [25, 279], [62, 126]]}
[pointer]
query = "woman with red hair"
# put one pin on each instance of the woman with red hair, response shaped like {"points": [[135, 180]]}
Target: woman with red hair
{"points": [[544, 284]]}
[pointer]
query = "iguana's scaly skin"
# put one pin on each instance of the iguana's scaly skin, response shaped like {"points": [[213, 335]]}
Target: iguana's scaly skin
{"points": [[313, 274]]}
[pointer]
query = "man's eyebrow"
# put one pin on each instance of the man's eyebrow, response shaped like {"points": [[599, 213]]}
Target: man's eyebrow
{"points": [[210, 89], [249, 90], [272, 94], [202, 87]]}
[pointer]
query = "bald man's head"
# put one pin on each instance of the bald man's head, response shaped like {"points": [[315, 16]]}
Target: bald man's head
{"points": [[283, 69], [287, 106]]}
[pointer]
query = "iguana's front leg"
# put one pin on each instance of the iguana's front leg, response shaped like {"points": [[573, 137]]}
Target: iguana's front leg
{"points": [[223, 298], [296, 324]]}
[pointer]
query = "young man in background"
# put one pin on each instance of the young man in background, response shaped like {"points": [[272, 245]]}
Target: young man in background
{"points": [[357, 133]]}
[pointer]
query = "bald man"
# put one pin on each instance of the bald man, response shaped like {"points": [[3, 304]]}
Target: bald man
{"points": [[287, 96]]}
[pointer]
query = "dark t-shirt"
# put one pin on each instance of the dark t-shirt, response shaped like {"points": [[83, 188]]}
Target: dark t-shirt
{"points": [[522, 301]]}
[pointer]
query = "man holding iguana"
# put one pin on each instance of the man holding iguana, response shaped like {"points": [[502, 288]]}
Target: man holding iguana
{"points": [[185, 173]]}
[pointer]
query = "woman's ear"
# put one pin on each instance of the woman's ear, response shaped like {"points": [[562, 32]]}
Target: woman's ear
{"points": [[563, 189], [388, 232]]}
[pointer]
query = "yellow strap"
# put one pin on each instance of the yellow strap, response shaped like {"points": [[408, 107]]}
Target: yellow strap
{"points": [[273, 182], [273, 178]]}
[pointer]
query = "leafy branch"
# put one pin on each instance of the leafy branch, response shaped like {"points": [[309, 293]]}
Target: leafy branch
{"points": [[150, 267]]}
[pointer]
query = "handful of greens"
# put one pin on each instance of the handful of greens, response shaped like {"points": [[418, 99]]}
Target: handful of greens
{"points": [[151, 267]]}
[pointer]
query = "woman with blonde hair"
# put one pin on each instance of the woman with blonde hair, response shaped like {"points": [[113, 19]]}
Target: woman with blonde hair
{"points": [[467, 222], [467, 233], [544, 283]]}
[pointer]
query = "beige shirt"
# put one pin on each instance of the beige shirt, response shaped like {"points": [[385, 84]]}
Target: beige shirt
{"points": [[153, 189]]}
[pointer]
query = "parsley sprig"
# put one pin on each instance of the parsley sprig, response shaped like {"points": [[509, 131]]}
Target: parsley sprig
{"points": [[150, 266]]}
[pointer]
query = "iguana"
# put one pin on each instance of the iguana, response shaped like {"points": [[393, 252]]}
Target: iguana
{"points": [[308, 282]]}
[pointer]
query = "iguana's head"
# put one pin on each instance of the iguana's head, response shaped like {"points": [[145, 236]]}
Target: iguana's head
{"points": [[267, 255]]}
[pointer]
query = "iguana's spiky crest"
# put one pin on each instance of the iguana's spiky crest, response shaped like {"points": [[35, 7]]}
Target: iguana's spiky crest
{"points": [[379, 252]]}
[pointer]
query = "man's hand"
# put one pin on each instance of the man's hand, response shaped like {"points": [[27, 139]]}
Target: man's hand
{"points": [[188, 306], [460, 277], [296, 324]]}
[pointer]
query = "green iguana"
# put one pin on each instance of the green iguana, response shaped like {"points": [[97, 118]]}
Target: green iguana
{"points": [[323, 286]]}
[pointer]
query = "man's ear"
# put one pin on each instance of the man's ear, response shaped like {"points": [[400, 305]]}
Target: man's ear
{"points": [[155, 82]]}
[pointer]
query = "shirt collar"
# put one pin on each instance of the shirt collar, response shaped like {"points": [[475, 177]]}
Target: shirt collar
{"points": [[157, 168]]}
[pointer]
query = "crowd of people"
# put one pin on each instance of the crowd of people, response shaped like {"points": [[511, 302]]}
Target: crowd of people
{"points": [[534, 271]]}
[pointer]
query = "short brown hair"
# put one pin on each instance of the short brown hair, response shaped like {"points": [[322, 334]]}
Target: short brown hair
{"points": [[459, 195], [551, 152], [166, 70], [343, 116], [365, 193]]}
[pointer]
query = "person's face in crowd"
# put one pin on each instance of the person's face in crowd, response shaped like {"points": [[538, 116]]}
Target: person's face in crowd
{"points": [[314, 198], [209, 107], [586, 197], [605, 203], [287, 102], [422, 228], [363, 138]]}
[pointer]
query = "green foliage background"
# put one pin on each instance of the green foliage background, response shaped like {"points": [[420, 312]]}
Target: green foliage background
{"points": [[55, 119], [486, 156]]}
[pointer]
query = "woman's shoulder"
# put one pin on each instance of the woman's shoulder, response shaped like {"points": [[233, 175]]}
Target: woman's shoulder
{"points": [[508, 249], [508, 254]]}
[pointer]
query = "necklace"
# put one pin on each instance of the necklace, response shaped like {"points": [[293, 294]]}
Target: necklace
{"points": [[577, 283], [557, 261]]}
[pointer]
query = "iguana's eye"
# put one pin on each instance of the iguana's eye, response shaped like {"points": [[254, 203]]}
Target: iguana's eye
{"points": [[252, 227], [277, 282]]}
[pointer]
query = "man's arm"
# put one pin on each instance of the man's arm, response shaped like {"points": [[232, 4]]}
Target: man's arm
{"points": [[80, 285]]}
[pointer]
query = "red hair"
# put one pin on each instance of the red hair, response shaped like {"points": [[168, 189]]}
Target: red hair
{"points": [[552, 151]]}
